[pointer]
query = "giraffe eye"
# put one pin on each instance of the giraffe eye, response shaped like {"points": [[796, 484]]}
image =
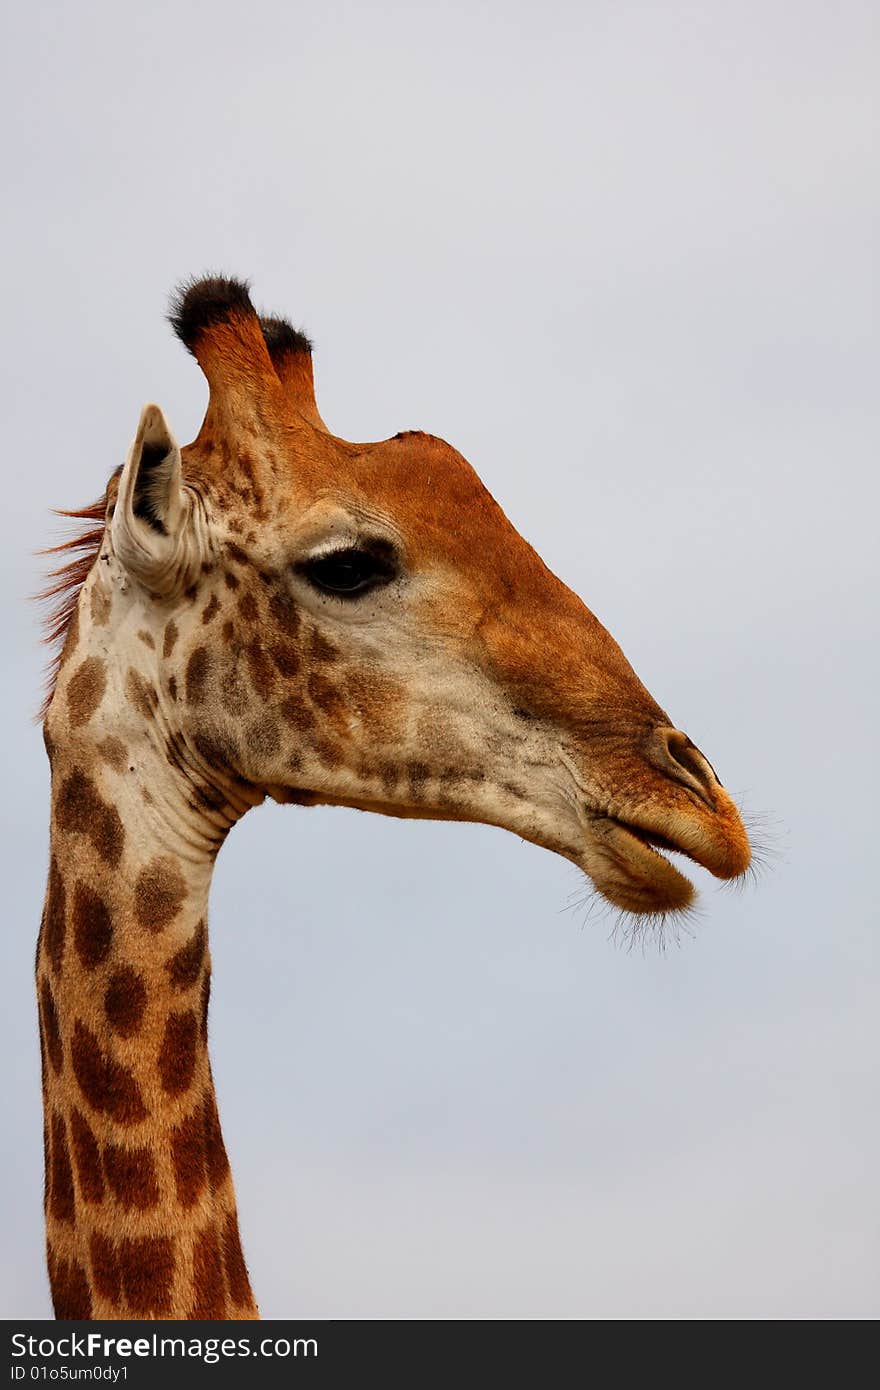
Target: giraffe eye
{"points": [[349, 572]]}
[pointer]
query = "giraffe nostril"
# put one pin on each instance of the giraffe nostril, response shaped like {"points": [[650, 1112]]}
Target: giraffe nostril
{"points": [[673, 753]]}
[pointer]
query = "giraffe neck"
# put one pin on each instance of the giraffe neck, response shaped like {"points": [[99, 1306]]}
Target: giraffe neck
{"points": [[140, 1208]]}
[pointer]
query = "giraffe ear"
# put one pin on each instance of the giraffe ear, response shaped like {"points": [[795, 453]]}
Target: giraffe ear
{"points": [[151, 528]]}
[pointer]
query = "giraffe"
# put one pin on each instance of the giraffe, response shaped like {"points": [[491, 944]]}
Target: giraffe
{"points": [[275, 612]]}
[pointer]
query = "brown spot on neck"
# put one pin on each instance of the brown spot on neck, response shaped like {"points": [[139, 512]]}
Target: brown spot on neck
{"points": [[54, 921], [85, 690], [71, 1298], [105, 1269], [146, 1268], [61, 1196], [197, 675], [100, 604], [131, 1176], [82, 810], [87, 1157], [51, 1031], [108, 1086], [188, 1156], [233, 1258], [185, 966], [177, 1057], [125, 1000], [142, 694], [160, 891], [208, 1281], [112, 750], [92, 926]]}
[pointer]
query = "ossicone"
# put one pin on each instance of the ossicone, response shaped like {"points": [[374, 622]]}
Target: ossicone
{"points": [[291, 354], [201, 303]]}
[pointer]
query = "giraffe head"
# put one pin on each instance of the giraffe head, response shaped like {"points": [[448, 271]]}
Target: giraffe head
{"points": [[361, 625]]}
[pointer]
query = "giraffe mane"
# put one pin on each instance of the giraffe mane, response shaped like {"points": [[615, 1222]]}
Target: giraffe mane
{"points": [[62, 589]]}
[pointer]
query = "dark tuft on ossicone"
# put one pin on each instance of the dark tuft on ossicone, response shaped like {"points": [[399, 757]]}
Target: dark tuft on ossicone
{"points": [[282, 338], [199, 304]]}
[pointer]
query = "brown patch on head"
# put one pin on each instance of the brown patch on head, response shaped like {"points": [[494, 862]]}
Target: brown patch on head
{"points": [[233, 1257], [286, 658], [210, 1294], [112, 750], [378, 702], [54, 922], [142, 694], [328, 698], [231, 580], [261, 670], [215, 1152], [131, 1176], [212, 607], [218, 749], [87, 1157], [71, 1298], [51, 1031], [61, 1198], [125, 1000], [283, 610], [109, 1087], [234, 690], [197, 675], [172, 687], [146, 1267], [177, 1056], [92, 926], [105, 1269], [82, 810], [389, 775], [263, 737], [321, 650], [147, 639], [248, 607], [85, 690], [297, 714], [185, 966], [329, 754], [188, 1157], [169, 639], [160, 891], [417, 774]]}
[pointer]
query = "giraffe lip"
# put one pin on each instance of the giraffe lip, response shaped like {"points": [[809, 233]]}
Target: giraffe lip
{"points": [[628, 865], [651, 838]]}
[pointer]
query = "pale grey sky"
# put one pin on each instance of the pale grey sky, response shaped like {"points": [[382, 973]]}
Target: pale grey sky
{"points": [[623, 256]]}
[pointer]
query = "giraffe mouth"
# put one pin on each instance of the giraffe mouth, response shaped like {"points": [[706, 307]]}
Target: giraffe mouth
{"points": [[628, 865]]}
